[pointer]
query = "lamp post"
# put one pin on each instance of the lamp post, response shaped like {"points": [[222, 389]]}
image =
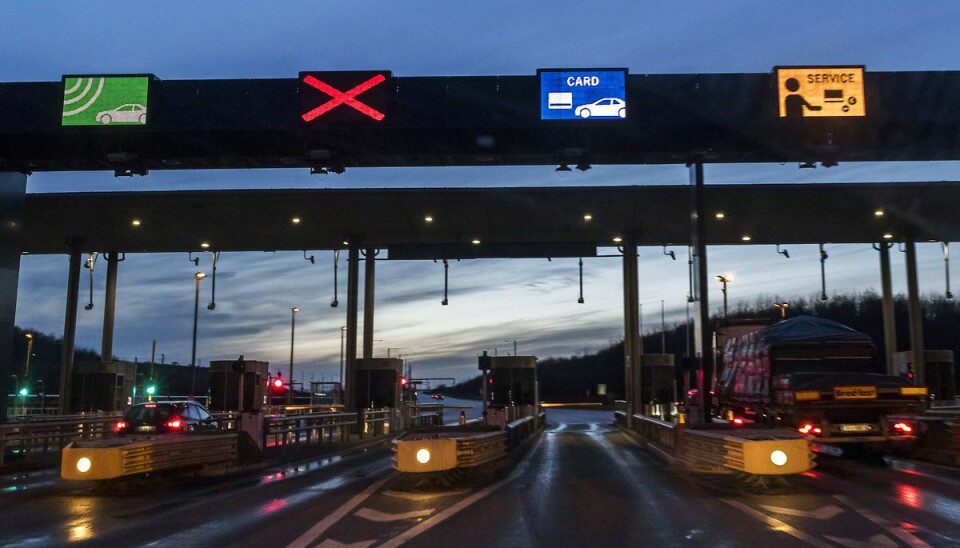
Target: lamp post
{"points": [[514, 345], [724, 279], [26, 369], [193, 354], [782, 308], [343, 333], [293, 324]]}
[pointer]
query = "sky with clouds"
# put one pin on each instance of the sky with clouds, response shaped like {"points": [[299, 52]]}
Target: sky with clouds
{"points": [[491, 301]]}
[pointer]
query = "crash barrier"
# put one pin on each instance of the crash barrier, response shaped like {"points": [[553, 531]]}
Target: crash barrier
{"points": [[460, 447], [375, 422], [307, 430], [420, 415], [43, 439], [723, 450], [119, 457]]}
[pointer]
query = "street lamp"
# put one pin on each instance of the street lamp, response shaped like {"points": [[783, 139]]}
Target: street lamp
{"points": [[26, 369], [514, 345], [782, 308], [389, 348], [293, 323], [193, 354], [724, 279]]}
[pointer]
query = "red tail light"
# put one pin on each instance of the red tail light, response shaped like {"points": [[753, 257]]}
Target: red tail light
{"points": [[738, 421], [120, 426], [174, 424], [808, 428], [903, 428]]}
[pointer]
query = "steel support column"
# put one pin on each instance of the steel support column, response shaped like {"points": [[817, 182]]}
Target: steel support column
{"points": [[109, 308], [353, 290], [369, 282], [70, 329], [631, 319], [13, 188], [889, 319], [703, 331], [916, 315]]}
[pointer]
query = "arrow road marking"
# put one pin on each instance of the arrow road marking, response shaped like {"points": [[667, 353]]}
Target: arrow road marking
{"points": [[307, 538], [776, 524], [826, 513], [882, 522], [382, 517]]}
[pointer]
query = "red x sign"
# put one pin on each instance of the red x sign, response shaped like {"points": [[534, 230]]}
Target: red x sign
{"points": [[338, 97]]}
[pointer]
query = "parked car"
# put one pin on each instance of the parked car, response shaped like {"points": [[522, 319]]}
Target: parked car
{"points": [[166, 417], [437, 396]]}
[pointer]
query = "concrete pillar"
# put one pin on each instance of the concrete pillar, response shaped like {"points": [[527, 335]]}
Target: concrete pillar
{"points": [[369, 283], [70, 328], [916, 315], [13, 189], [109, 308], [353, 290], [703, 331], [631, 319], [889, 319]]}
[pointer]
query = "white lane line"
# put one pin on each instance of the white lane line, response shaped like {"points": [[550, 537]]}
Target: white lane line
{"points": [[460, 506], [314, 532], [776, 524], [824, 514], [883, 522], [383, 517]]}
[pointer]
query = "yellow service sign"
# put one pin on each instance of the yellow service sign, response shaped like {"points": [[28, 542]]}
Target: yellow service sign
{"points": [[854, 392], [821, 91]]}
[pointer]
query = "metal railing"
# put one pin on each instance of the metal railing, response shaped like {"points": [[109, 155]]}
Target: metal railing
{"points": [[307, 430], [421, 415], [44, 439]]}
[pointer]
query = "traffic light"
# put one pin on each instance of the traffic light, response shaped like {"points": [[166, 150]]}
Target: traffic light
{"points": [[24, 391], [276, 383], [403, 382], [151, 389]]}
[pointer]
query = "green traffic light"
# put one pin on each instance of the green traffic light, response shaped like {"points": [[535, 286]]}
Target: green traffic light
{"points": [[152, 389], [24, 391]]}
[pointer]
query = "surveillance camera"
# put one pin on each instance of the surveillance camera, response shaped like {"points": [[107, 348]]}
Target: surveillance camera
{"points": [[444, 302], [580, 300], [88, 306], [211, 306], [334, 303]]}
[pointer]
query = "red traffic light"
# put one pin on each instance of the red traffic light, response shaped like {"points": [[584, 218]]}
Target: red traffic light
{"points": [[403, 381]]}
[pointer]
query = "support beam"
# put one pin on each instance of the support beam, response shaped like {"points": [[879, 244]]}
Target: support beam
{"points": [[109, 308], [353, 290], [889, 319], [369, 283], [13, 188], [70, 329], [915, 314], [703, 331], [631, 319]]}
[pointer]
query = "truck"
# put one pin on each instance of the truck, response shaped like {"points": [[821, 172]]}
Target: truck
{"points": [[820, 377]]}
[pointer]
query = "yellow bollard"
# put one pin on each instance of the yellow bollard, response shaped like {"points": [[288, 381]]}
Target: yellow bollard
{"points": [[463, 418]]}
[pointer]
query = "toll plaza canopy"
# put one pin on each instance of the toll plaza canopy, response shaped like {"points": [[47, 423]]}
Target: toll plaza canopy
{"points": [[335, 120], [504, 222]]}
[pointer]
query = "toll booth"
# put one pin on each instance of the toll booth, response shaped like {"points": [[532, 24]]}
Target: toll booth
{"points": [[657, 376], [940, 372], [237, 385], [378, 383], [100, 386], [510, 388]]}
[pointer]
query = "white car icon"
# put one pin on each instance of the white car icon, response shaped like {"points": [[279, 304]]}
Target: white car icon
{"points": [[608, 107], [124, 113]]}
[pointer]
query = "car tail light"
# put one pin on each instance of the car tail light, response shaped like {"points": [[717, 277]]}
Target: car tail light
{"points": [[903, 428], [808, 428], [176, 423], [120, 426], [738, 421]]}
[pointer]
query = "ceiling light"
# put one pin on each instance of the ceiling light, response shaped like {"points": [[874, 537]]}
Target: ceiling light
{"points": [[888, 236], [588, 217], [295, 220], [475, 241], [746, 238], [428, 219], [135, 222], [878, 213], [720, 215], [204, 245], [617, 239]]}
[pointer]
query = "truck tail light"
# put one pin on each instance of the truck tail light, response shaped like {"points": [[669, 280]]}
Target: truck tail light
{"points": [[808, 428]]}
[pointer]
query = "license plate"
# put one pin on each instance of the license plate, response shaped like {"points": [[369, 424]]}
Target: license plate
{"points": [[145, 429], [855, 392], [855, 428]]}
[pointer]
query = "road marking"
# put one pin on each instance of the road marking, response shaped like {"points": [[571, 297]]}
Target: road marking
{"points": [[314, 532], [460, 506], [826, 513], [330, 543], [882, 522], [424, 496], [383, 517], [776, 524], [879, 541]]}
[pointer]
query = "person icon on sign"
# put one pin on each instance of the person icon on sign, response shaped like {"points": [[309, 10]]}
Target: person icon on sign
{"points": [[795, 102]]}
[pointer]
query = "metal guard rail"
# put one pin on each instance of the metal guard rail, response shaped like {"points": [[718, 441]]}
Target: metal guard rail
{"points": [[48, 438], [306, 429], [480, 449]]}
